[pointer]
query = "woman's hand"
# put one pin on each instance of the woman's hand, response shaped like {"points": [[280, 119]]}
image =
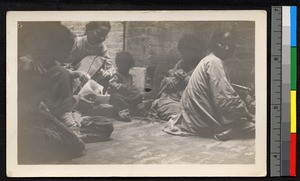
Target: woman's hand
{"points": [[170, 84], [105, 73], [83, 76]]}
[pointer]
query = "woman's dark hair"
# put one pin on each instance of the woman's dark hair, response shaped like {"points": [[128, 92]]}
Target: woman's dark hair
{"points": [[192, 42], [218, 36], [124, 58], [223, 43], [46, 38], [94, 24]]}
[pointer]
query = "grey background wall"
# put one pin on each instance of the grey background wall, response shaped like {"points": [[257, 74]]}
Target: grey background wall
{"points": [[154, 43], [114, 41]]}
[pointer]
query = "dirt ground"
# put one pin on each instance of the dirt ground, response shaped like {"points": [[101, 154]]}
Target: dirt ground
{"points": [[144, 142]]}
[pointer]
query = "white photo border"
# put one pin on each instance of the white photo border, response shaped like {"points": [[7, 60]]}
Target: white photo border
{"points": [[164, 170]]}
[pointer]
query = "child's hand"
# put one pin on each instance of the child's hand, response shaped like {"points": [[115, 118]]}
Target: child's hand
{"points": [[105, 73]]}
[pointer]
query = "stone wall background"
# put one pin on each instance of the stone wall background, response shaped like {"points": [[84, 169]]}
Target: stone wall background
{"points": [[153, 44], [114, 41]]}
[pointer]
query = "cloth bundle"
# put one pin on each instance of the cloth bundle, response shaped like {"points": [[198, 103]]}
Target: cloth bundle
{"points": [[96, 128]]}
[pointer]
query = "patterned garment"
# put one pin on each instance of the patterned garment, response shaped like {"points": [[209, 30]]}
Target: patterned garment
{"points": [[91, 65], [208, 102], [91, 59], [82, 48]]}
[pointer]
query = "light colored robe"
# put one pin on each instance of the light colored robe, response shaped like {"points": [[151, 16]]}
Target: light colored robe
{"points": [[82, 49], [208, 102]]}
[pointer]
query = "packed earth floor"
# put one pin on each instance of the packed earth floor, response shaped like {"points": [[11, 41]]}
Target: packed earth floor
{"points": [[143, 142]]}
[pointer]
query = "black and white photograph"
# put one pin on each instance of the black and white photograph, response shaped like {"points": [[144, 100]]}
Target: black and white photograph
{"points": [[132, 93]]}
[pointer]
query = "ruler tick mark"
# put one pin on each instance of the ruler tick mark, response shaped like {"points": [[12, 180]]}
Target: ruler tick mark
{"points": [[276, 92]]}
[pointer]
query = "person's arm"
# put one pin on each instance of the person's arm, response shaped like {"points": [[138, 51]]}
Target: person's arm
{"points": [[109, 69], [169, 82], [114, 84], [172, 71], [226, 100], [83, 76], [74, 57]]}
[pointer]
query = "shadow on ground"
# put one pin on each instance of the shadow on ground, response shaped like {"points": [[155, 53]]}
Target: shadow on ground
{"points": [[144, 142]]}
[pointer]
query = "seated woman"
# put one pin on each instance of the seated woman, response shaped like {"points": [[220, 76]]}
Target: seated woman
{"points": [[192, 50], [210, 105], [45, 96], [124, 96], [92, 44]]}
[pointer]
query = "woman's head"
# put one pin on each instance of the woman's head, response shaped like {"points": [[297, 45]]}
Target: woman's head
{"points": [[49, 40], [97, 31], [223, 43], [192, 48], [124, 62]]}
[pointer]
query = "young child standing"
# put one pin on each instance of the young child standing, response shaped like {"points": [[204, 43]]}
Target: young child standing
{"points": [[124, 96]]}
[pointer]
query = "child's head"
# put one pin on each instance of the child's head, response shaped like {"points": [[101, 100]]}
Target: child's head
{"points": [[48, 40], [124, 62], [97, 31], [191, 48]]}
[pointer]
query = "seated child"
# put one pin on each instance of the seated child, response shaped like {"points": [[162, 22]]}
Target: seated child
{"points": [[123, 94]]}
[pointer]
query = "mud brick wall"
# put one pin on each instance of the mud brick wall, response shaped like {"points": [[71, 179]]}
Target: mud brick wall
{"points": [[114, 41], [154, 44], [242, 67]]}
